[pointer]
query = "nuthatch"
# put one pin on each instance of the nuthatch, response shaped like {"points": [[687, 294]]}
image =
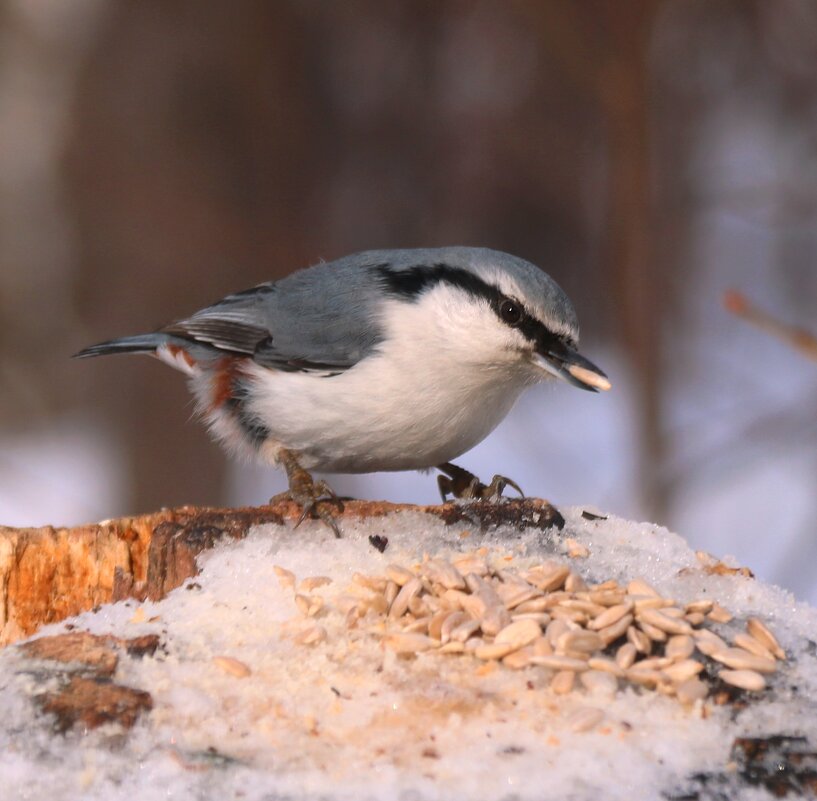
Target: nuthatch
{"points": [[383, 360]]}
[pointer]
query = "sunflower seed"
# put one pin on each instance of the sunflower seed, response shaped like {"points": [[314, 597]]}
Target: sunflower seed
{"points": [[235, 667], [574, 615], [472, 564], [562, 682], [640, 587], [607, 597], [661, 621], [694, 618], [625, 655], [683, 670], [606, 665], [408, 643], [739, 659], [745, 679], [462, 632], [583, 641], [599, 682], [549, 580], [516, 660], [538, 604], [719, 614], [399, 575], [452, 648], [640, 641], [575, 583], [493, 650], [750, 644], [370, 582], [518, 634], [619, 629], [585, 720], [610, 616], [681, 646], [690, 691], [450, 623], [653, 632], [311, 636], [313, 582], [703, 606], [443, 573], [409, 590], [286, 578], [554, 630], [758, 629], [418, 626], [559, 662]]}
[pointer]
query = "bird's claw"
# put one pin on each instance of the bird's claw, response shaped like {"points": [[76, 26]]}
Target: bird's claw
{"points": [[460, 483], [312, 496]]}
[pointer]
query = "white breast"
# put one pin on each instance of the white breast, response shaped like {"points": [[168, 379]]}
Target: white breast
{"points": [[431, 392]]}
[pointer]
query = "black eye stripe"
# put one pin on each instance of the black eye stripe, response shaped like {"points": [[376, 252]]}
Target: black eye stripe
{"points": [[409, 284]]}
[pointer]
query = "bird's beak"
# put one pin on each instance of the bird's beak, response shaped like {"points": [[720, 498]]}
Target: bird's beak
{"points": [[563, 362]]}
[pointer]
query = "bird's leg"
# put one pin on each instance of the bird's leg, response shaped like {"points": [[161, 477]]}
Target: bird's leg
{"points": [[310, 495], [459, 483]]}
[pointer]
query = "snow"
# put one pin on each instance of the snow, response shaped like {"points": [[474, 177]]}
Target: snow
{"points": [[347, 719]]}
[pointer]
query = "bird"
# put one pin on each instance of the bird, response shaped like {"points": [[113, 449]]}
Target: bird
{"points": [[383, 360]]}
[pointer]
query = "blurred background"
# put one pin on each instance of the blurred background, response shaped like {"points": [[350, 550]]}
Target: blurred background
{"points": [[649, 154]]}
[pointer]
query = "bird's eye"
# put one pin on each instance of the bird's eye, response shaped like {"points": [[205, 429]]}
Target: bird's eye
{"points": [[510, 311]]}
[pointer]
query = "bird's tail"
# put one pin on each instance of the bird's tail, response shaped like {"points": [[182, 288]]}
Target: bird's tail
{"points": [[142, 343]]}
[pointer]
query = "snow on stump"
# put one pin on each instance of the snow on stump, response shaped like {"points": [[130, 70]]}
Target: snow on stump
{"points": [[476, 651]]}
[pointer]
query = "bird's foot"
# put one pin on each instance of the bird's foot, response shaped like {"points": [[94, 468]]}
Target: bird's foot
{"points": [[312, 496], [459, 483]]}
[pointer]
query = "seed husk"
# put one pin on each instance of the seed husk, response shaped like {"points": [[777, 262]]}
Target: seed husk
{"points": [[758, 629], [373, 583], [739, 659], [744, 679]]}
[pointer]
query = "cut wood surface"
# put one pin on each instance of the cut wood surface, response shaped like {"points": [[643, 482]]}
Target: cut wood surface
{"points": [[50, 573]]}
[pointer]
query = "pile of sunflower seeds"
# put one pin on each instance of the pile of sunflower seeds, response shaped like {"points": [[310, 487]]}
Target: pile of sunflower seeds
{"points": [[597, 636]]}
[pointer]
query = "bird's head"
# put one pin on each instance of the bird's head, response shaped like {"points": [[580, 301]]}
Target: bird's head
{"points": [[493, 309]]}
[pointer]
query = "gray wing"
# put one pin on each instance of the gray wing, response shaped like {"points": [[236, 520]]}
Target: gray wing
{"points": [[322, 319]]}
